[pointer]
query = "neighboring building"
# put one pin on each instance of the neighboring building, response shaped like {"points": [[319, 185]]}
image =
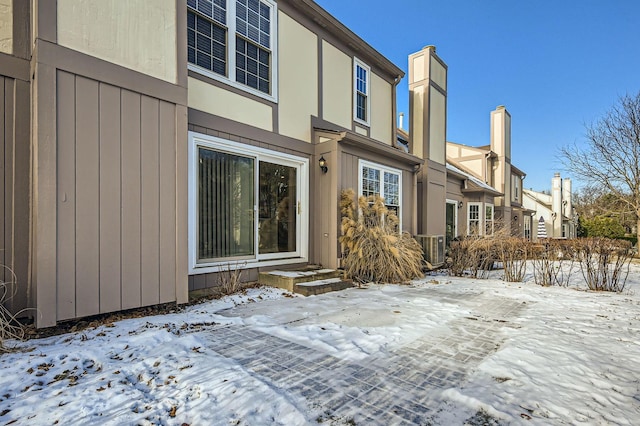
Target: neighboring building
{"points": [[555, 208], [470, 204], [500, 204], [148, 144]]}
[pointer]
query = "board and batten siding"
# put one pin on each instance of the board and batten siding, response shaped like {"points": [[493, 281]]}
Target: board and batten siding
{"points": [[116, 204], [14, 189]]}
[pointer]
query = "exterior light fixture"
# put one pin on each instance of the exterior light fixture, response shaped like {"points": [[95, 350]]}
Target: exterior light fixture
{"points": [[323, 164], [460, 203]]}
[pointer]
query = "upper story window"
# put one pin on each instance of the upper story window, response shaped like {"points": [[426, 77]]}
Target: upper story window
{"points": [[234, 41], [361, 100]]}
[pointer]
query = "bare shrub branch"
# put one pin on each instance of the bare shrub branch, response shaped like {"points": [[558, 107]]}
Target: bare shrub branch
{"points": [[605, 263], [10, 328], [610, 158]]}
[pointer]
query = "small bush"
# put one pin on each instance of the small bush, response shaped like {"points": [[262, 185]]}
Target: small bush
{"points": [[373, 249], [10, 328], [553, 262], [604, 263], [513, 252], [472, 256]]}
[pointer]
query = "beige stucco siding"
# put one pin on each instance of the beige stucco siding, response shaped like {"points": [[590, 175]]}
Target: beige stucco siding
{"points": [[417, 113], [475, 166], [298, 78], [437, 130], [337, 91], [6, 26], [224, 103], [438, 73], [137, 34], [381, 109]]}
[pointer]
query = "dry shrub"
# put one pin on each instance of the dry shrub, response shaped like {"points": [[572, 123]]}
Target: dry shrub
{"points": [[553, 262], [472, 256], [10, 328], [513, 252], [605, 263], [373, 249], [229, 278]]}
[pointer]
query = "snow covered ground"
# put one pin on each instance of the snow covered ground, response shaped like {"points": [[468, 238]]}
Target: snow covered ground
{"points": [[440, 351]]}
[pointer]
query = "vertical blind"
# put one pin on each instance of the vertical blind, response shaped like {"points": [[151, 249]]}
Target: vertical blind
{"points": [[226, 194]]}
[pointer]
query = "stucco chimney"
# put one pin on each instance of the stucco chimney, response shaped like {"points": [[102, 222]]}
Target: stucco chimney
{"points": [[556, 204], [428, 134], [500, 140]]}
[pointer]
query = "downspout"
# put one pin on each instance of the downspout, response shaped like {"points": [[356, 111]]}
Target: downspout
{"points": [[394, 110]]}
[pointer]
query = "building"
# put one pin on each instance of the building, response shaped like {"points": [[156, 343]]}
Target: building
{"points": [[554, 208], [148, 148], [487, 183]]}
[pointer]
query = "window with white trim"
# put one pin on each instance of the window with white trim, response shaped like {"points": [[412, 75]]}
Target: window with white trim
{"points": [[234, 41], [488, 219], [527, 227], [474, 219], [246, 203], [376, 179], [361, 100]]}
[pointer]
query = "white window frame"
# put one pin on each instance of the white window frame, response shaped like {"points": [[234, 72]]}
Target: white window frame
{"points": [[527, 226], [382, 168], [480, 218], [358, 63], [455, 216], [231, 55], [492, 220], [260, 154]]}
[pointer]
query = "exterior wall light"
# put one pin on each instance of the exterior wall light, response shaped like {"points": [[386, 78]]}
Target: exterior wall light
{"points": [[323, 164], [460, 203]]}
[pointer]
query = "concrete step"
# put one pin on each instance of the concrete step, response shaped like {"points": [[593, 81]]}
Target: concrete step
{"points": [[321, 286], [288, 279]]}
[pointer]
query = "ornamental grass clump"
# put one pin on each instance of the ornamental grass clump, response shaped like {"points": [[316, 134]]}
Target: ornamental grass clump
{"points": [[373, 248]]}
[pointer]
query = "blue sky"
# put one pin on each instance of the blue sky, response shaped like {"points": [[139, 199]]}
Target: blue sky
{"points": [[556, 65]]}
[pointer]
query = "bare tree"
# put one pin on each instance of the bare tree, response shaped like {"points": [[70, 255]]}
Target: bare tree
{"points": [[611, 157]]}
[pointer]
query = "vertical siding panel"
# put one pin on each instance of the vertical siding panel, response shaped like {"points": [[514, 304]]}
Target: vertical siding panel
{"points": [[130, 219], [182, 228], [110, 294], [66, 205], [21, 193], [167, 202], [87, 199], [9, 111], [3, 207], [150, 201]]}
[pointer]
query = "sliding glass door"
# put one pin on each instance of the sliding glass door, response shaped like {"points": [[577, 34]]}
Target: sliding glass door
{"points": [[248, 204]]}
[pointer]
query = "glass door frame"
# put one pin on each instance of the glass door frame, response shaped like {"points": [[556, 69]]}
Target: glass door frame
{"points": [[301, 164]]}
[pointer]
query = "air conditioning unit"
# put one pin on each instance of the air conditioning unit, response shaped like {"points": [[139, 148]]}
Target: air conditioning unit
{"points": [[433, 248]]}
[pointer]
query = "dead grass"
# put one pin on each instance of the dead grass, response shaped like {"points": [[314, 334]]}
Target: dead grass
{"points": [[10, 328], [373, 248]]}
